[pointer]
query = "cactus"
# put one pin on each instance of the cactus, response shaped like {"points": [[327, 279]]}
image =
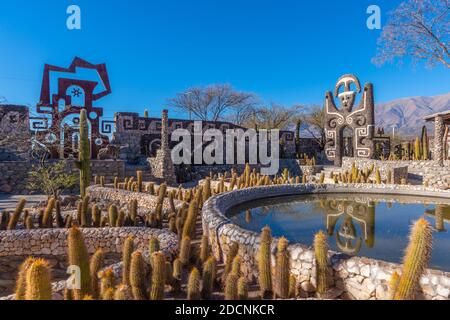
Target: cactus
{"points": [[145, 113], [137, 276], [102, 181], [292, 287], [107, 283], [47, 219], [139, 175], [16, 215], [209, 276], [127, 250], [193, 290], [108, 294], [242, 289], [113, 215], [58, 215], [123, 293], [153, 246], [21, 283], [282, 270], [204, 249], [133, 211], [120, 219], [96, 216], [416, 259], [236, 266], [158, 276], [322, 178], [191, 220], [176, 275], [297, 138], [417, 151], [84, 212], [78, 256], [321, 258], [95, 265], [84, 155], [185, 250], [425, 150], [231, 292], [38, 285], [169, 274], [116, 183], [393, 284], [68, 294], [232, 253], [377, 176], [265, 264]]}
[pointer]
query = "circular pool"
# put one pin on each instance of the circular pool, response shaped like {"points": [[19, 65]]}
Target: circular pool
{"points": [[370, 225]]}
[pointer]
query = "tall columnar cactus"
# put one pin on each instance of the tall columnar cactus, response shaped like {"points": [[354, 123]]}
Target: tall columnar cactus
{"points": [[139, 175], [78, 256], [16, 215], [417, 150], [158, 276], [185, 250], [96, 216], [209, 276], [116, 183], [21, 283], [176, 275], [292, 287], [393, 284], [113, 215], [236, 266], [47, 219], [416, 259], [172, 202], [297, 138], [108, 294], [231, 290], [265, 264], [84, 154], [95, 266], [137, 276], [242, 288], [425, 150], [107, 283], [204, 249], [123, 293], [231, 254], [282, 269], [134, 211], [153, 246], [377, 176], [58, 215], [127, 251], [191, 220], [39, 285], [84, 212], [321, 258], [193, 290], [162, 193]]}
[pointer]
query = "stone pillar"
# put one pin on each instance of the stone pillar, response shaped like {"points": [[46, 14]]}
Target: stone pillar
{"points": [[162, 165], [438, 143]]}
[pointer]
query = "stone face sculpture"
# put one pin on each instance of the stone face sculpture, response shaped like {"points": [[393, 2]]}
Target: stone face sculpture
{"points": [[360, 120]]}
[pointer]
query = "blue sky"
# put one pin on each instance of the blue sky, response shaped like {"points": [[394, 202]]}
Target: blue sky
{"points": [[286, 51]]}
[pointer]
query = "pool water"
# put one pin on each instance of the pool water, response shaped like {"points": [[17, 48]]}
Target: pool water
{"points": [[363, 225]]}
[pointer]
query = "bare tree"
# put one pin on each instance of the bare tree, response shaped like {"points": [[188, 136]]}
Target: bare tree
{"points": [[314, 119], [419, 29], [274, 116], [212, 103]]}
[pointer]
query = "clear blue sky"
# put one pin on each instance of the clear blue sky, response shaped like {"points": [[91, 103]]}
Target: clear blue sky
{"points": [[286, 51]]}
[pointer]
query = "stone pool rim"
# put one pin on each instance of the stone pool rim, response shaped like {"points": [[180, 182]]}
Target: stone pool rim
{"points": [[222, 230]]}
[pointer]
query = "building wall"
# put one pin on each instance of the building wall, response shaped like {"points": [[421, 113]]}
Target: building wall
{"points": [[14, 133]]}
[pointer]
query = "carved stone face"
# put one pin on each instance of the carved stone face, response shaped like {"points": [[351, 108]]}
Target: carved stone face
{"points": [[347, 100]]}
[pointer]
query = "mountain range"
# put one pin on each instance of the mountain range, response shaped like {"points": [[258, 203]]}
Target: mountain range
{"points": [[407, 114]]}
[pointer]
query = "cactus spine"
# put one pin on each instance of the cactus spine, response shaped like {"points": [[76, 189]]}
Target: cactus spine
{"points": [[158, 276], [416, 259], [38, 285], [194, 285], [137, 276], [321, 257], [78, 256], [265, 264], [282, 271], [84, 154], [16, 215]]}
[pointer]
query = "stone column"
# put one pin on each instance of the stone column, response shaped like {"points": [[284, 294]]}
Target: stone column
{"points": [[165, 130], [438, 143]]}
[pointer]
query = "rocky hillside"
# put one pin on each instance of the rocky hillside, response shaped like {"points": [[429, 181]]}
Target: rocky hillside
{"points": [[407, 114]]}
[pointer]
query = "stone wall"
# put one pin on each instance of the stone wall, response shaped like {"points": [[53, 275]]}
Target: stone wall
{"points": [[424, 171], [14, 175], [14, 133], [351, 277]]}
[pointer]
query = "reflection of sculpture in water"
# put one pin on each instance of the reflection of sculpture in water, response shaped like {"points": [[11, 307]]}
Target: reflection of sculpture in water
{"points": [[350, 213]]}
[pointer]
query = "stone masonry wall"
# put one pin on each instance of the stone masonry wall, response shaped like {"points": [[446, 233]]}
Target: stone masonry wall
{"points": [[351, 277]]}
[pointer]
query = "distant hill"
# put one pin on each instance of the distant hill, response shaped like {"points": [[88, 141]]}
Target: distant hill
{"points": [[407, 114]]}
